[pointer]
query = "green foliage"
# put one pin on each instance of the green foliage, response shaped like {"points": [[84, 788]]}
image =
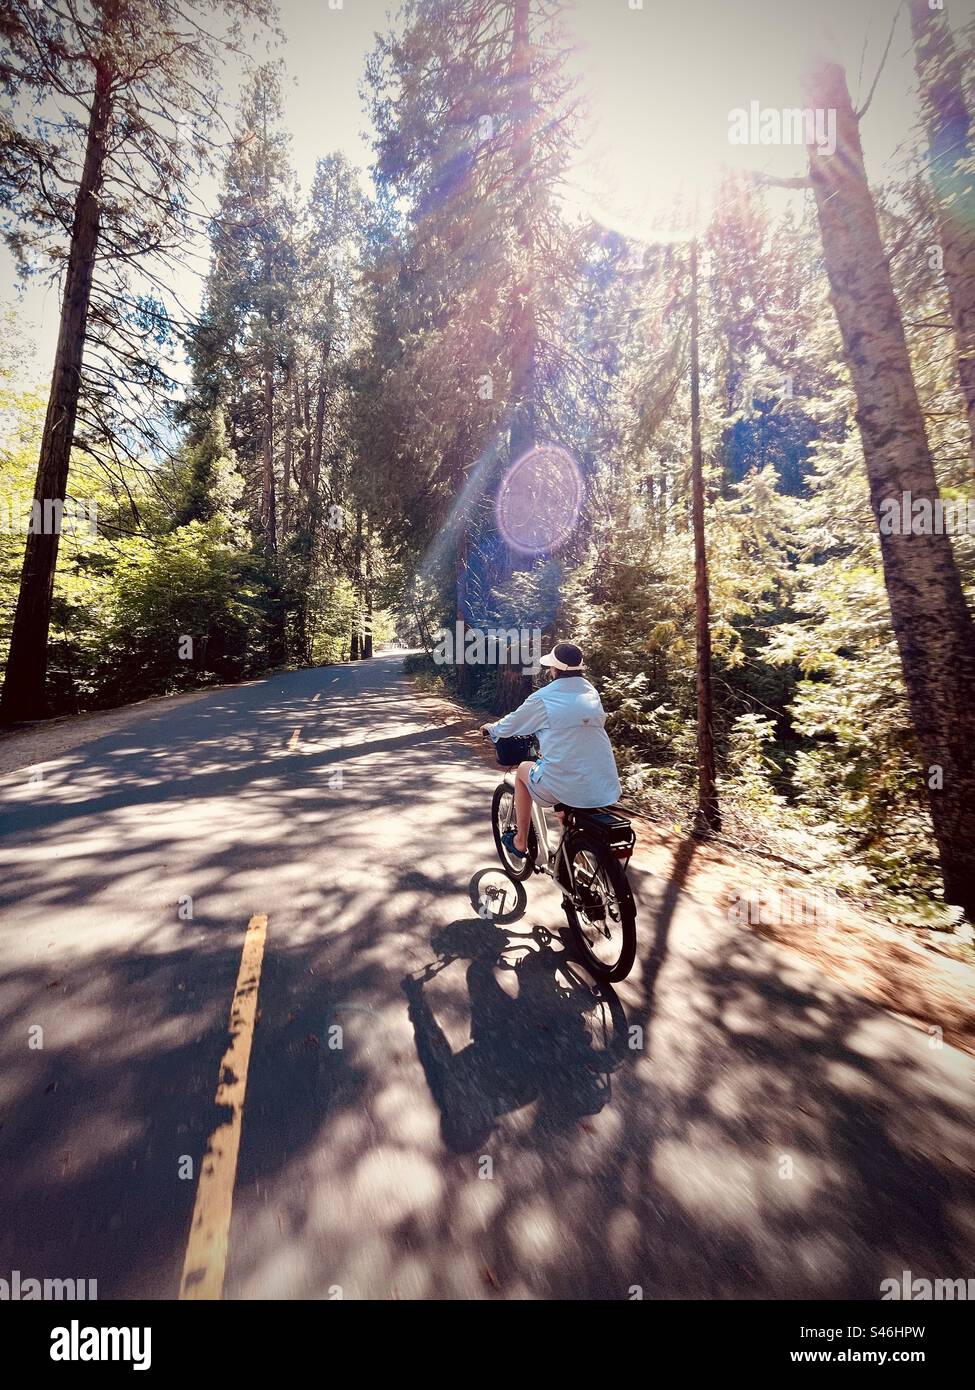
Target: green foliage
{"points": [[176, 611], [125, 604]]}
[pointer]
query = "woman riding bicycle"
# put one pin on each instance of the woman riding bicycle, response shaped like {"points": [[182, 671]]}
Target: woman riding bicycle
{"points": [[576, 766]]}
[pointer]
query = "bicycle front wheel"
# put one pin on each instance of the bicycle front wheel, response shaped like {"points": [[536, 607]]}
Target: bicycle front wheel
{"points": [[600, 908], [503, 820]]}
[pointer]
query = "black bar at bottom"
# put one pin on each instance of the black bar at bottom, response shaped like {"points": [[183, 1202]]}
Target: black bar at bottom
{"points": [[65, 1339]]}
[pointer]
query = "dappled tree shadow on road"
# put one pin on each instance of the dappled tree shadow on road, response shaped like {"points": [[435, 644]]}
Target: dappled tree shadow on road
{"points": [[765, 1133], [551, 1037]]}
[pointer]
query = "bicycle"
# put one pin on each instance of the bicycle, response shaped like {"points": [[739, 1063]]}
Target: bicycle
{"points": [[588, 860]]}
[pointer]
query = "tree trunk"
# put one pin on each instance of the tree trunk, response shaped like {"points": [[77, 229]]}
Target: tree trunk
{"points": [[269, 518], [463, 674], [421, 627], [305, 414], [303, 557], [23, 689], [367, 639], [947, 124], [289, 436], [934, 631], [268, 504], [319, 424], [524, 329], [356, 642], [513, 687], [320, 403], [708, 815]]}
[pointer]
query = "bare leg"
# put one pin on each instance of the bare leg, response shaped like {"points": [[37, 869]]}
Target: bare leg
{"points": [[523, 806]]}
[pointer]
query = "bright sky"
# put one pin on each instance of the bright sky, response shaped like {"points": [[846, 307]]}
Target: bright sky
{"points": [[659, 82], [662, 81]]}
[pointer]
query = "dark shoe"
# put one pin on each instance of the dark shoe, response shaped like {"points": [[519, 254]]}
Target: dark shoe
{"points": [[509, 843]]}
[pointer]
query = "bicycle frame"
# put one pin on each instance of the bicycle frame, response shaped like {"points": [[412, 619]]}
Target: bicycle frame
{"points": [[578, 857], [547, 852]]}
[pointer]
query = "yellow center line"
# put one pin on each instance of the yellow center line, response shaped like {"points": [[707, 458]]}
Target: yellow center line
{"points": [[206, 1252], [293, 740]]}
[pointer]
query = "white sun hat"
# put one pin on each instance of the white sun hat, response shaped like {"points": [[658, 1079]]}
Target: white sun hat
{"points": [[564, 656]]}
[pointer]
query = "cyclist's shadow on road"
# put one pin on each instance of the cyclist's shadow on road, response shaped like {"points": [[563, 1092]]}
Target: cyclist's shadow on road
{"points": [[556, 1041]]}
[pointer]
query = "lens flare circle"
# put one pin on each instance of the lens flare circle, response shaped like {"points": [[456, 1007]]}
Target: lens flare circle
{"points": [[539, 500]]}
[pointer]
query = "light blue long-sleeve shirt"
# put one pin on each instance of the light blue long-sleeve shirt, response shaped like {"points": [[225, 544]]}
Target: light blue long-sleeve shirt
{"points": [[576, 764]]}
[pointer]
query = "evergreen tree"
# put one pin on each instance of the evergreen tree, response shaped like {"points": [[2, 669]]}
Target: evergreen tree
{"points": [[105, 182]]}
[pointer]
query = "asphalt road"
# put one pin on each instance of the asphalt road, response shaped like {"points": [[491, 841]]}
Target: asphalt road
{"points": [[427, 1105]]}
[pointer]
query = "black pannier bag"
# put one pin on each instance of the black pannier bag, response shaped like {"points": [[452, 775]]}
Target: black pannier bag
{"points": [[512, 751]]}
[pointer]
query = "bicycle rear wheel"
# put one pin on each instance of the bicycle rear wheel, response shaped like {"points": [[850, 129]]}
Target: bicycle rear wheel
{"points": [[503, 820], [599, 907]]}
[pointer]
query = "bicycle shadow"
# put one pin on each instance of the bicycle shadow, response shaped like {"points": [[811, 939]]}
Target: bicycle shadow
{"points": [[555, 1040]]}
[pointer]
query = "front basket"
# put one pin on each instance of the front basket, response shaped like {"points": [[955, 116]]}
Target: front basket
{"points": [[512, 751]]}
